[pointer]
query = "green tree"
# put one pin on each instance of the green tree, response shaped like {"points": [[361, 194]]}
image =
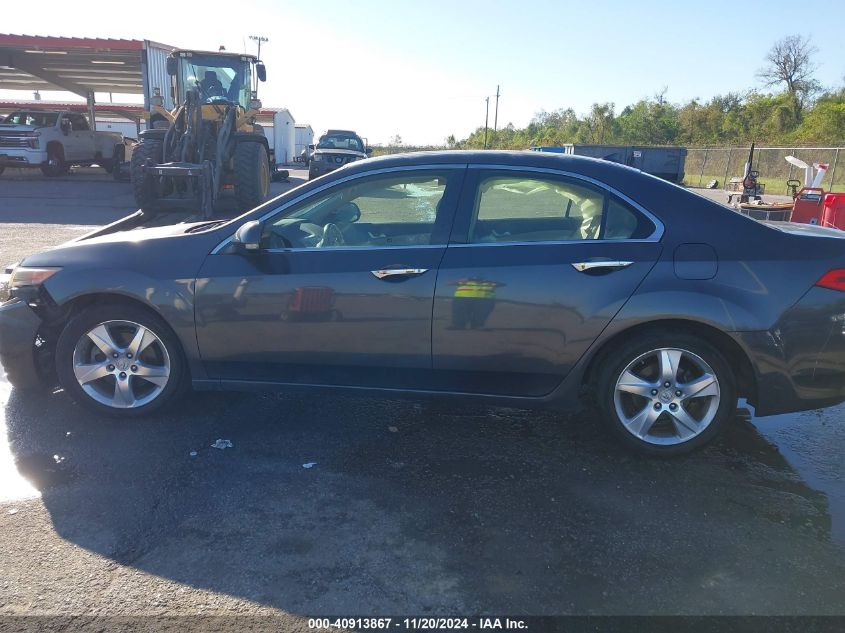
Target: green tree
{"points": [[825, 123], [600, 123], [652, 122]]}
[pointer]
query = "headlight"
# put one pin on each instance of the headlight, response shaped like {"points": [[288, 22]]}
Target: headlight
{"points": [[32, 140], [317, 158], [23, 277]]}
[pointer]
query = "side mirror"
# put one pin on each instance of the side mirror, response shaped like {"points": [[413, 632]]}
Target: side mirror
{"points": [[310, 147], [172, 65], [346, 213], [65, 125], [248, 237], [262, 72], [369, 151]]}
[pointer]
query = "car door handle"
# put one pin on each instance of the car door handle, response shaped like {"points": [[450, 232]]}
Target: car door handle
{"points": [[398, 272], [583, 267]]}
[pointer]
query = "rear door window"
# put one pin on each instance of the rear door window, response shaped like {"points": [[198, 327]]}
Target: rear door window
{"points": [[514, 208]]}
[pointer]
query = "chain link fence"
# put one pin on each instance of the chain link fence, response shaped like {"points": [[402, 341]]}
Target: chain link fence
{"points": [[705, 164]]}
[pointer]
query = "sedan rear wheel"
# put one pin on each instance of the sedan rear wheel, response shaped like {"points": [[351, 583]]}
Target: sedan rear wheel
{"points": [[119, 360], [667, 396]]}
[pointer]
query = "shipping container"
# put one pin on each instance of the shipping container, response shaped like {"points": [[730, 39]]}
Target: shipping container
{"points": [[666, 162], [154, 73]]}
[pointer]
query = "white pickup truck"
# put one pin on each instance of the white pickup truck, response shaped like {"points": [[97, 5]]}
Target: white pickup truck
{"points": [[55, 140]]}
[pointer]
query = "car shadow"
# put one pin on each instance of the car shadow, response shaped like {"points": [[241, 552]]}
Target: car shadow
{"points": [[348, 505]]}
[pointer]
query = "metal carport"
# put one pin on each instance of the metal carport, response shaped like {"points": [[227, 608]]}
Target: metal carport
{"points": [[83, 66]]}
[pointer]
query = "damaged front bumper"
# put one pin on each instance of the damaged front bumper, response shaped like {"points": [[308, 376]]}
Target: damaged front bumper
{"points": [[18, 332]]}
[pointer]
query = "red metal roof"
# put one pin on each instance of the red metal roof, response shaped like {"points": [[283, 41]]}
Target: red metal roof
{"points": [[131, 109], [29, 104], [123, 110], [50, 42], [75, 64]]}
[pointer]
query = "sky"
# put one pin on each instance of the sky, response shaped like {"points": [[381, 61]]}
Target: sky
{"points": [[421, 69]]}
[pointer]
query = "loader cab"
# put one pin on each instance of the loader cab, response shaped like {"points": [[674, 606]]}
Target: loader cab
{"points": [[218, 78]]}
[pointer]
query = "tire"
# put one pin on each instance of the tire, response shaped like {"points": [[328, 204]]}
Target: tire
{"points": [[252, 175], [147, 148], [669, 424], [107, 164], [118, 157], [116, 386], [56, 165]]}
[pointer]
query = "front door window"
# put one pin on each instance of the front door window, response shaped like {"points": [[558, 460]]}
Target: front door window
{"points": [[397, 210]]}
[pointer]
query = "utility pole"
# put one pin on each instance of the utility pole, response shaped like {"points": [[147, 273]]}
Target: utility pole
{"points": [[496, 117], [259, 39], [486, 119]]}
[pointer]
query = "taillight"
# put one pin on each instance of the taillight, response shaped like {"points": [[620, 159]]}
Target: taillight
{"points": [[833, 279]]}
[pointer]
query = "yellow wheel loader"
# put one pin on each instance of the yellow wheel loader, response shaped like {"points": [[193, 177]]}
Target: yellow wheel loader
{"points": [[209, 140]]}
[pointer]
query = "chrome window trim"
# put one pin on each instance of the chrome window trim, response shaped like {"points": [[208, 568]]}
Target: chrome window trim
{"points": [[329, 185], [551, 243], [335, 249], [656, 235]]}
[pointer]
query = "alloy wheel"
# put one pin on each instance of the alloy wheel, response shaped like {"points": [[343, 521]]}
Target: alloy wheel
{"points": [[667, 396], [121, 364]]}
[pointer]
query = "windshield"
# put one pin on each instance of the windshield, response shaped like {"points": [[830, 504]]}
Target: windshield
{"points": [[35, 119], [340, 141], [218, 78]]}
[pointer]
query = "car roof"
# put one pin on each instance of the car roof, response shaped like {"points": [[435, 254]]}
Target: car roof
{"points": [[642, 187], [349, 132], [595, 167]]}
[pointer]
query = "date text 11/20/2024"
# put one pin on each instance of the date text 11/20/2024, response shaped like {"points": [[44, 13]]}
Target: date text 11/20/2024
{"points": [[419, 624]]}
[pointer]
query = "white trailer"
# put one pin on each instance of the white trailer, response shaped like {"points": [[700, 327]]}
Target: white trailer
{"points": [[284, 136], [304, 137], [121, 126]]}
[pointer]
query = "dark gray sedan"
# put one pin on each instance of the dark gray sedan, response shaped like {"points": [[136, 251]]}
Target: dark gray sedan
{"points": [[515, 278]]}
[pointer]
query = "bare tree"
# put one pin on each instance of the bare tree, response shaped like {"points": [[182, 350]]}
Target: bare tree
{"points": [[790, 62]]}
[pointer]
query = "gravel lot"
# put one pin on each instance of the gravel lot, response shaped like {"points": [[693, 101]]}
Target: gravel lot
{"points": [[409, 508]]}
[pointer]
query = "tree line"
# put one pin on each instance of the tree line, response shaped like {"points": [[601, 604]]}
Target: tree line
{"points": [[792, 109]]}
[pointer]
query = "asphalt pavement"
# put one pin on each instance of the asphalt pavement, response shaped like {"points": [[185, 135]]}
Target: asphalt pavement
{"points": [[350, 505]]}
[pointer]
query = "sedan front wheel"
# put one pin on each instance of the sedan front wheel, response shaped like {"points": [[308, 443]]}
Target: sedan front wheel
{"points": [[666, 395], [119, 360]]}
